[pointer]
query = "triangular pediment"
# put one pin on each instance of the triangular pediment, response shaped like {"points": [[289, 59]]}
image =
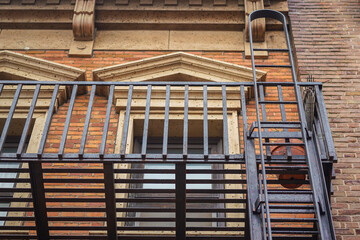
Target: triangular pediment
{"points": [[177, 66], [174, 65], [16, 67], [19, 66]]}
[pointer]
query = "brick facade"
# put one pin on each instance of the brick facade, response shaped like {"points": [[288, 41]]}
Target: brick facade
{"points": [[108, 58], [326, 36], [327, 44]]}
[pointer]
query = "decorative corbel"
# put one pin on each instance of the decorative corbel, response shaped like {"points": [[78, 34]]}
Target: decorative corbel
{"points": [[83, 28], [258, 29]]}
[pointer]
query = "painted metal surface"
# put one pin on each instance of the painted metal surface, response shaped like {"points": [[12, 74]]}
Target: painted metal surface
{"points": [[317, 192], [105, 197]]}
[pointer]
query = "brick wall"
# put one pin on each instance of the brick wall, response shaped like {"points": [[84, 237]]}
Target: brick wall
{"points": [[326, 35], [102, 59]]}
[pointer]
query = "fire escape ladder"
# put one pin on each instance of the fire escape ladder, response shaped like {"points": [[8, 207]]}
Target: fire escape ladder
{"points": [[290, 211]]}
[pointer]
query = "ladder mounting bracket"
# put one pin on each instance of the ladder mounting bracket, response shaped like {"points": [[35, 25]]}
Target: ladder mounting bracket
{"points": [[260, 200], [322, 211]]}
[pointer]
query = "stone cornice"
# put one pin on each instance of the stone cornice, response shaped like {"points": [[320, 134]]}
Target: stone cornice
{"points": [[120, 15]]}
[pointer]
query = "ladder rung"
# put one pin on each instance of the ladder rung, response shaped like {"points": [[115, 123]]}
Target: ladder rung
{"points": [[288, 168], [290, 237], [277, 135], [268, 124], [272, 122], [291, 209], [271, 191], [291, 230], [290, 198], [301, 172], [272, 49], [283, 144], [285, 160], [267, 65], [288, 181], [293, 219], [276, 83], [277, 102]]}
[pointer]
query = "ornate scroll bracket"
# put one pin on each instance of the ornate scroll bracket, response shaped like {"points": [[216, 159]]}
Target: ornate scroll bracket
{"points": [[258, 28], [83, 28]]}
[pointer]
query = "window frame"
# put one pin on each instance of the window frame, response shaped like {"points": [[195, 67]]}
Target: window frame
{"points": [[138, 114], [215, 147]]}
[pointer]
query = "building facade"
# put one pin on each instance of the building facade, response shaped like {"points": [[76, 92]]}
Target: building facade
{"points": [[138, 119]]}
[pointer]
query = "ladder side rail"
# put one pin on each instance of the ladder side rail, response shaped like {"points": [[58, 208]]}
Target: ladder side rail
{"points": [[325, 195], [252, 184], [263, 171]]}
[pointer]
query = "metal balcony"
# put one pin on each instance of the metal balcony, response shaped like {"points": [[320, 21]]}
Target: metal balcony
{"points": [[180, 175]]}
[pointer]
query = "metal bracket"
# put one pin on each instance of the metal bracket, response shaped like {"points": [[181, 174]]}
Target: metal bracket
{"points": [[322, 210], [260, 200], [308, 133]]}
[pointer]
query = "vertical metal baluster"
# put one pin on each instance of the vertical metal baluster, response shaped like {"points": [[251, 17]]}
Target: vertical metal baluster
{"points": [[262, 208], [180, 180], [186, 126], [323, 116], [10, 116], [67, 121], [205, 124], [48, 120], [39, 201], [106, 123], [283, 118], [110, 200], [126, 124], [146, 122], [225, 123], [87, 121], [264, 117], [28, 121], [166, 123], [244, 114]]}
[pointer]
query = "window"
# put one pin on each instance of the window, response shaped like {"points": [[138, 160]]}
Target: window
{"points": [[136, 183], [10, 146], [175, 147]]}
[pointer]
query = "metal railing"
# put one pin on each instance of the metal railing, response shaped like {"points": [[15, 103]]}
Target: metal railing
{"points": [[190, 184]]}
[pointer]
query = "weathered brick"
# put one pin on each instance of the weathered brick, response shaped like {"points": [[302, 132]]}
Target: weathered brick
{"points": [[327, 46]]}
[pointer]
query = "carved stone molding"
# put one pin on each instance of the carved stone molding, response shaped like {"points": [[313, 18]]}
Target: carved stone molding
{"points": [[258, 26], [84, 20], [32, 68], [177, 66], [83, 28], [169, 67], [16, 66], [258, 29]]}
